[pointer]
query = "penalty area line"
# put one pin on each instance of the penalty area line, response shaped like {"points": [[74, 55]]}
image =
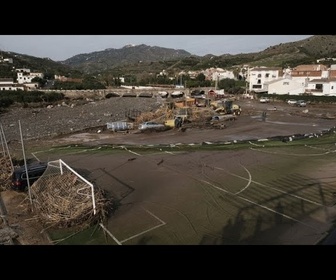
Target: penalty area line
{"points": [[145, 231], [110, 234]]}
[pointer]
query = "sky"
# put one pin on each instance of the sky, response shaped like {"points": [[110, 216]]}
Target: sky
{"points": [[62, 47]]}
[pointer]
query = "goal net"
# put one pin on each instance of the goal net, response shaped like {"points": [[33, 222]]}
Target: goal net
{"points": [[64, 198]]}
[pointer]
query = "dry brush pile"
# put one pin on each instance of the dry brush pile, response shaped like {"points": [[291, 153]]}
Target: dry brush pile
{"points": [[5, 172], [64, 200], [164, 113]]}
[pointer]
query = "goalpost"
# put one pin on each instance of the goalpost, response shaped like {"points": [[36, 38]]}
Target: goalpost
{"points": [[63, 196]]}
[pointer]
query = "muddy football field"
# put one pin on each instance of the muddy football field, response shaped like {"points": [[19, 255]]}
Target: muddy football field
{"points": [[260, 195]]}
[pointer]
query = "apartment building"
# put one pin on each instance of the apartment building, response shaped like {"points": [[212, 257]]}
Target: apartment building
{"points": [[258, 77]]}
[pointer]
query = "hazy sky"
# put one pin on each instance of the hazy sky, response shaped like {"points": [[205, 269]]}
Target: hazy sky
{"points": [[62, 47]]}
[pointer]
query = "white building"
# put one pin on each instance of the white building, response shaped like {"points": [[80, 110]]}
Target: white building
{"points": [[24, 76], [8, 84], [258, 76], [285, 86], [322, 87], [221, 74], [8, 60], [6, 81]]}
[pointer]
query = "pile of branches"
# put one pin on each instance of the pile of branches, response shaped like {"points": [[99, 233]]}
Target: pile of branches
{"points": [[160, 115], [65, 201], [201, 114], [5, 172]]}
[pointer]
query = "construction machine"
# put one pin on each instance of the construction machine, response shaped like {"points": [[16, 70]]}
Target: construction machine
{"points": [[226, 107]]}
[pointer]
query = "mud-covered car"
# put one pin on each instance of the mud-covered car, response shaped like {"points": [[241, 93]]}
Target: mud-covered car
{"points": [[264, 100], [291, 101], [34, 171], [301, 103], [145, 126]]}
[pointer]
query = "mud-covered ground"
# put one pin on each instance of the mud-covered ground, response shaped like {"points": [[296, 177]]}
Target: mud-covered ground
{"points": [[80, 123]]}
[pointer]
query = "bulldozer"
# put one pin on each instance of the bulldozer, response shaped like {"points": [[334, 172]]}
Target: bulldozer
{"points": [[182, 116], [224, 107]]}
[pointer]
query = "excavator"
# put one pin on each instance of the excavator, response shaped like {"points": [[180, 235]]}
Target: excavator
{"points": [[224, 107]]}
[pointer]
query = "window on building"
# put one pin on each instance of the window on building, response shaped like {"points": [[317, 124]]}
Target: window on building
{"points": [[267, 75], [285, 83], [319, 86], [259, 75]]}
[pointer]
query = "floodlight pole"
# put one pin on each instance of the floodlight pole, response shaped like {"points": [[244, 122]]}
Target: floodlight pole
{"points": [[25, 163], [2, 142]]}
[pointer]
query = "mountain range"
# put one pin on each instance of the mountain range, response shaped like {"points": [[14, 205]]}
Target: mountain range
{"points": [[138, 59]]}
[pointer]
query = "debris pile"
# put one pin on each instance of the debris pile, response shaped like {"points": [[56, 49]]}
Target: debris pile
{"points": [[63, 200], [5, 172]]}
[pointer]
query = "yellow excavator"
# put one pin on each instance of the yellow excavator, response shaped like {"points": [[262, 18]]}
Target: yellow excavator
{"points": [[224, 107]]}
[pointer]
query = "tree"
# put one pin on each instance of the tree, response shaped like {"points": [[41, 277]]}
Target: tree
{"points": [[200, 77], [40, 81]]}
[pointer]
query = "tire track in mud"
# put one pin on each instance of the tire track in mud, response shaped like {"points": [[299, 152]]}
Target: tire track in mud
{"points": [[176, 210], [206, 190], [211, 202]]}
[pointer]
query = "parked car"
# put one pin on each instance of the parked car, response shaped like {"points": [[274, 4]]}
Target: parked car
{"points": [[264, 100], [291, 101], [19, 175], [301, 103], [151, 126]]}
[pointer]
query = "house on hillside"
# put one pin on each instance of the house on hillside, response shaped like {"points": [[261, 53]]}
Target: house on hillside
{"points": [[6, 60], [24, 76], [8, 84], [221, 74]]}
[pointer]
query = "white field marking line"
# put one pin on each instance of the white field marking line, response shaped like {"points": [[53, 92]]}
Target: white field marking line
{"points": [[316, 148], [43, 151], [303, 155], [249, 181], [256, 144], [35, 157], [130, 151], [262, 206], [145, 231], [110, 234], [275, 189], [142, 155], [52, 149]]}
